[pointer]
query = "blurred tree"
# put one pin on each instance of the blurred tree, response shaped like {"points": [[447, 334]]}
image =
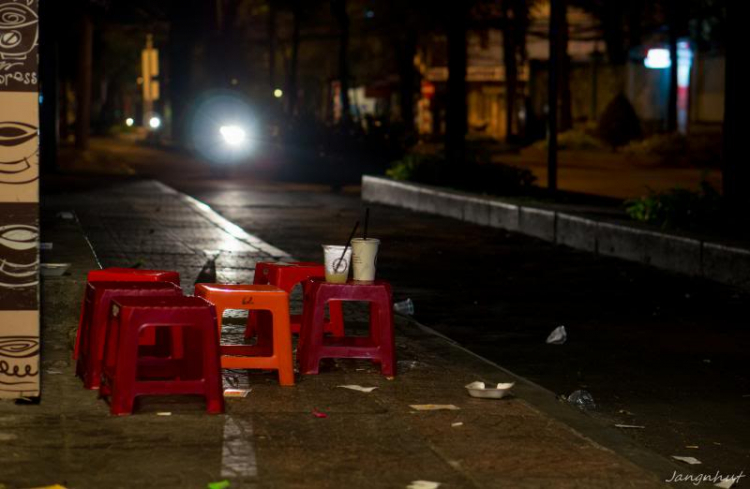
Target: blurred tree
{"points": [[515, 28], [456, 18], [566, 103], [338, 9]]}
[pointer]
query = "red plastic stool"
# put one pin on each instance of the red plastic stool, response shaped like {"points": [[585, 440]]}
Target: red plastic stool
{"points": [[96, 306], [285, 276], [126, 375], [118, 274], [378, 346]]}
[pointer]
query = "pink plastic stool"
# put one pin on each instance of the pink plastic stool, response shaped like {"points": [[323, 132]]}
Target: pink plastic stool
{"points": [[285, 276], [379, 346], [93, 329], [126, 375], [118, 274]]}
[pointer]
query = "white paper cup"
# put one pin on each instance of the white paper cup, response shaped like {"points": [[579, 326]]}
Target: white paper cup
{"points": [[337, 268], [365, 258]]}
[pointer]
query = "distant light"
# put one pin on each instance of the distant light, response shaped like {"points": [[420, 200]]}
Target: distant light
{"points": [[234, 81], [129, 122], [154, 122], [657, 59], [684, 63], [233, 135], [370, 14], [278, 93]]}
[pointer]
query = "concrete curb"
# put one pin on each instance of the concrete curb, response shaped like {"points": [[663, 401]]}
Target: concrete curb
{"points": [[691, 256]]}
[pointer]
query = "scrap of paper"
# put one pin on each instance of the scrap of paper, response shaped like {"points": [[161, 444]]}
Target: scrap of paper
{"points": [[236, 392], [434, 407], [687, 460], [423, 485], [359, 388]]}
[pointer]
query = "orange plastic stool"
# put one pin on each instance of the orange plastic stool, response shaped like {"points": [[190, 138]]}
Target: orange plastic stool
{"points": [[285, 276], [274, 348]]}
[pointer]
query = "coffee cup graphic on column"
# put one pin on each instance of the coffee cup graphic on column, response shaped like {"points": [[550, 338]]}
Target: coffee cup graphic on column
{"points": [[19, 148], [19, 31]]}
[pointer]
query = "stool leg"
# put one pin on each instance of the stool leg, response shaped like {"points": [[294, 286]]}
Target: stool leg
{"points": [[212, 370], [337, 318], [282, 347], [259, 278], [311, 334], [381, 324], [122, 398]]}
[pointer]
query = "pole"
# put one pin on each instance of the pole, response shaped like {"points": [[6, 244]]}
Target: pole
{"points": [[557, 9]]}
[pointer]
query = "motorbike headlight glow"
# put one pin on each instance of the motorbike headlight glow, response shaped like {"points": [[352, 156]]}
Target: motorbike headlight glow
{"points": [[233, 135], [223, 127]]}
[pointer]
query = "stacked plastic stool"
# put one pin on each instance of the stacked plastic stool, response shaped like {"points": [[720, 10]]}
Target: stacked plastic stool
{"points": [[126, 374], [118, 274], [93, 328], [273, 350], [286, 276], [379, 346]]}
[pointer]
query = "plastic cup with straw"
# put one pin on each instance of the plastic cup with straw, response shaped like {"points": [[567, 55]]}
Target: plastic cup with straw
{"points": [[364, 255], [337, 260]]}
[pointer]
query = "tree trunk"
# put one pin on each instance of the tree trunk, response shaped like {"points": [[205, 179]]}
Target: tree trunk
{"points": [[339, 12], [83, 88], [511, 68], [180, 51], [50, 88], [456, 115], [735, 170], [672, 103], [272, 46], [407, 78], [556, 47], [292, 88], [566, 104]]}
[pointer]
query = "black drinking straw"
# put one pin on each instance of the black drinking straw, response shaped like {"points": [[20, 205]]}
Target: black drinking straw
{"points": [[351, 236], [367, 220]]}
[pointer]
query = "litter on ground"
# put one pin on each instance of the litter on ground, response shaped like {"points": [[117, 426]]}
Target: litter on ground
{"points": [[359, 388], [423, 485], [236, 392], [687, 460], [558, 336], [434, 407]]}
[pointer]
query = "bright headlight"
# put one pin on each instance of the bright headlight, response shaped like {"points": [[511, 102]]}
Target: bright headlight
{"points": [[233, 135]]}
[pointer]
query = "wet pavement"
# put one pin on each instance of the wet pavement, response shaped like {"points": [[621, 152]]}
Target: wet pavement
{"points": [[272, 438], [655, 349]]}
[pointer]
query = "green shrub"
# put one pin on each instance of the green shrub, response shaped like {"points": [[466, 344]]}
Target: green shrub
{"points": [[678, 208], [619, 124], [476, 174]]}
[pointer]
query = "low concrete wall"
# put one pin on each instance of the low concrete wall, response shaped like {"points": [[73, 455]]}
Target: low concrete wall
{"points": [[690, 256]]}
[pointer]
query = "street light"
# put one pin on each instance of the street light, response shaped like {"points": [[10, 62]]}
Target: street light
{"points": [[657, 59], [154, 122], [129, 122], [278, 93]]}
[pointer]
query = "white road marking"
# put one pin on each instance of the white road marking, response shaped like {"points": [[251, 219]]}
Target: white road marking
{"points": [[238, 453]]}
